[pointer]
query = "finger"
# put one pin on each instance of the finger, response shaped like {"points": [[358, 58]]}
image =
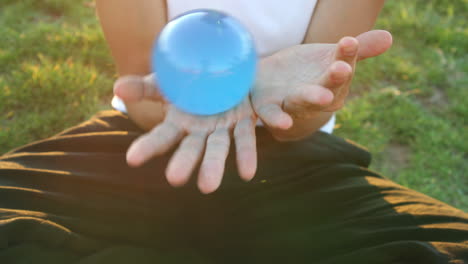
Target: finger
{"points": [[347, 50], [337, 74], [156, 142], [273, 116], [246, 148], [373, 43], [185, 159], [134, 88], [212, 167], [312, 97]]}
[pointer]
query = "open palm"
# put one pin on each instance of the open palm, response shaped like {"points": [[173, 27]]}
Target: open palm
{"points": [[297, 82], [202, 138], [304, 80]]}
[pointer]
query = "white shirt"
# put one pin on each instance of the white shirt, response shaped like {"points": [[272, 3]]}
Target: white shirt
{"points": [[274, 25]]}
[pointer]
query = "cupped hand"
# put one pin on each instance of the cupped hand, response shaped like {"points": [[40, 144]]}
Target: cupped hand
{"points": [[301, 81], [204, 139]]}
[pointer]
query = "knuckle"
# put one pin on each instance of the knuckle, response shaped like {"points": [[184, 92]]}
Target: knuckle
{"points": [[193, 143], [212, 158], [189, 155], [334, 107], [218, 141], [269, 110], [242, 129], [305, 111], [245, 143], [243, 148]]}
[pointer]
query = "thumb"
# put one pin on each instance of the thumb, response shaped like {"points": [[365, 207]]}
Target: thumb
{"points": [[373, 43], [133, 88]]}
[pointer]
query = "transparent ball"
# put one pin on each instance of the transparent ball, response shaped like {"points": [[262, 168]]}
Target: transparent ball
{"points": [[205, 62]]}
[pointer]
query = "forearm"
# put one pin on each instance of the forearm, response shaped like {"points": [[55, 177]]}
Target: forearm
{"points": [[130, 28], [331, 21], [334, 19]]}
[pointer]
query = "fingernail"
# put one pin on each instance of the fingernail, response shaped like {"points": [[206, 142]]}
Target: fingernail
{"points": [[349, 47], [326, 98], [132, 159], [286, 122]]}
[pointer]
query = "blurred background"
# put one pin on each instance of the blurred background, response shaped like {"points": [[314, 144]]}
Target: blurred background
{"points": [[408, 107]]}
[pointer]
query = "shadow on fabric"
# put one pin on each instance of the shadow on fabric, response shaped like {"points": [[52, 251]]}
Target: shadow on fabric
{"points": [[71, 198]]}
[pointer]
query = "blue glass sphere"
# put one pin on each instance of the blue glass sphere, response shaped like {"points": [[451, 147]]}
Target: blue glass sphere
{"points": [[205, 62]]}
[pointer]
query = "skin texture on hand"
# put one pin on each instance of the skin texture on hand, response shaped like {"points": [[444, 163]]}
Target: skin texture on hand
{"points": [[204, 139], [294, 85], [297, 85], [130, 28]]}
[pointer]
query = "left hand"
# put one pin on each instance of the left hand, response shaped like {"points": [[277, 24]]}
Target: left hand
{"points": [[302, 81]]}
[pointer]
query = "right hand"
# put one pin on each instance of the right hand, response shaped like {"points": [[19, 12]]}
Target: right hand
{"points": [[202, 138]]}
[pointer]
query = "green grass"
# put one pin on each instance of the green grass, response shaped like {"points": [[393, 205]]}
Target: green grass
{"points": [[55, 69], [407, 106], [410, 110]]}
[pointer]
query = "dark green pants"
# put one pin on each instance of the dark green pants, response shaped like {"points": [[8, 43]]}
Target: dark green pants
{"points": [[72, 199]]}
